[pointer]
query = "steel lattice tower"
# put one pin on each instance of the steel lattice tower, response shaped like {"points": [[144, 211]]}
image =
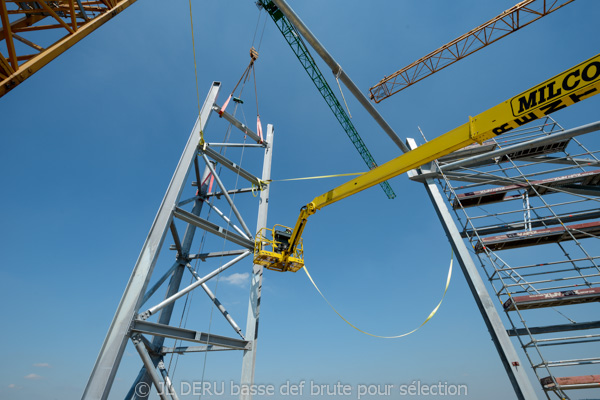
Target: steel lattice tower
{"points": [[144, 316]]}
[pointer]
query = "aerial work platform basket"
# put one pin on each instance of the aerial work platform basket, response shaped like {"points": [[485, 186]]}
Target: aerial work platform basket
{"points": [[271, 249]]}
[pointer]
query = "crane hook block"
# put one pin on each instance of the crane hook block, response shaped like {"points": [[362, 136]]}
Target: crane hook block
{"points": [[272, 250], [253, 54]]}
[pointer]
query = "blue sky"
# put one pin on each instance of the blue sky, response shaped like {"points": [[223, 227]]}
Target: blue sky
{"points": [[90, 142]]}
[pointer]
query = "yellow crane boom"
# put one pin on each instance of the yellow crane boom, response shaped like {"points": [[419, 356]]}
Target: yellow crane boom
{"points": [[569, 87]]}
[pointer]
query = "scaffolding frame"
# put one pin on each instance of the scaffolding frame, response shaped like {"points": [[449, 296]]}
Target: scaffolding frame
{"points": [[534, 186]]}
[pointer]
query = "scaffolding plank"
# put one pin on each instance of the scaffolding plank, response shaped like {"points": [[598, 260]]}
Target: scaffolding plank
{"points": [[552, 299], [490, 145], [536, 223], [547, 148], [543, 186], [537, 237], [571, 382], [539, 330]]}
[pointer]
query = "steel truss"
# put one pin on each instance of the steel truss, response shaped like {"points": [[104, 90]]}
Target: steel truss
{"points": [[144, 316], [36, 32], [535, 186], [511, 20]]}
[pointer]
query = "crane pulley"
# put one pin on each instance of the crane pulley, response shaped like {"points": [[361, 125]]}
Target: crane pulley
{"points": [[567, 88]]}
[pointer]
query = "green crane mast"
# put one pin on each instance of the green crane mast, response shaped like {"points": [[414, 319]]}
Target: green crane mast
{"points": [[301, 51]]}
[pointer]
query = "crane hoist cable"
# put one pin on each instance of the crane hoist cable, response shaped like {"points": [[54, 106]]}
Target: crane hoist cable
{"points": [[196, 71], [243, 79]]}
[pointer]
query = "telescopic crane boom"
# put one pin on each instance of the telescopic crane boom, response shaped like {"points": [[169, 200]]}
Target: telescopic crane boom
{"points": [[571, 86]]}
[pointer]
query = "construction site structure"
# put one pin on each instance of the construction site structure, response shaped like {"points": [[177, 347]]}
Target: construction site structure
{"points": [[294, 40], [509, 166], [511, 20], [526, 214], [63, 23], [565, 89], [204, 177]]}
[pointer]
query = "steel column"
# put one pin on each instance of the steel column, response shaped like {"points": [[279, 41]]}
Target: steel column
{"points": [[249, 358], [214, 228], [105, 369], [512, 364], [167, 380], [141, 349], [174, 285]]}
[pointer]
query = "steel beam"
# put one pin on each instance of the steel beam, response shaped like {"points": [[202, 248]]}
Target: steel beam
{"points": [[510, 360], [159, 283], [234, 145], [105, 368], [217, 303], [176, 238], [227, 197], [234, 121], [213, 228], [581, 130], [171, 299], [224, 217], [141, 349], [188, 335], [224, 161], [167, 380], [249, 358], [193, 349], [234, 191], [338, 71], [204, 256]]}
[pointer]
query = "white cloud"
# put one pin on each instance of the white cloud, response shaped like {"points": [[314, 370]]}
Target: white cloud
{"points": [[13, 386], [33, 376], [236, 279], [42, 365]]}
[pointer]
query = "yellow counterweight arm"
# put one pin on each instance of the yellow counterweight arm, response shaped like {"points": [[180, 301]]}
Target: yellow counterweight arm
{"points": [[569, 87]]}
